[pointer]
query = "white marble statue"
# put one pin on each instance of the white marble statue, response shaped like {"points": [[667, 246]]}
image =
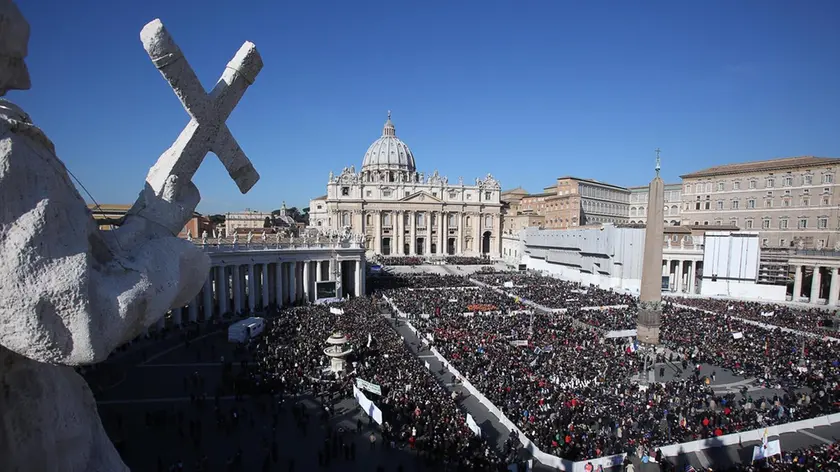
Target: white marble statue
{"points": [[189, 235], [204, 237], [250, 237], [837, 246], [263, 236], [235, 238], [277, 237], [71, 293]]}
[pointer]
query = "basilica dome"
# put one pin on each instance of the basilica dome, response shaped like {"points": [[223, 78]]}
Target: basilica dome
{"points": [[388, 152]]}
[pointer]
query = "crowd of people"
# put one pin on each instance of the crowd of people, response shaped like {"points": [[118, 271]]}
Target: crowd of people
{"points": [[569, 390], [399, 260], [813, 320], [464, 260], [418, 413]]}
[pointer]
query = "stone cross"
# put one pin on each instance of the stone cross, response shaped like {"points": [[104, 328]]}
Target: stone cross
{"points": [[206, 130]]}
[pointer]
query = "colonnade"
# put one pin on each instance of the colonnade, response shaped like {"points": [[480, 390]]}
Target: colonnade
{"points": [[815, 293], [682, 274], [253, 286]]}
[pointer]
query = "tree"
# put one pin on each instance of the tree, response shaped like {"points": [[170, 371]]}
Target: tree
{"points": [[217, 219], [268, 223]]}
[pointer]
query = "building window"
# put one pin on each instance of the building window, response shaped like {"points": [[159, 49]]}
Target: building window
{"points": [[345, 219], [803, 223], [828, 178], [786, 202], [705, 223], [765, 224], [369, 219], [720, 205], [768, 203], [318, 207], [821, 243], [319, 222], [469, 196], [707, 205], [770, 183], [736, 185], [782, 242], [452, 220], [387, 219], [421, 219], [708, 186], [788, 181], [434, 194], [826, 190], [368, 193], [468, 222], [825, 201], [822, 223], [752, 183], [764, 242], [720, 186], [688, 189], [808, 179], [735, 204], [453, 194], [733, 222], [806, 201], [488, 221], [345, 191], [751, 203], [783, 224], [487, 195], [749, 224], [386, 193]]}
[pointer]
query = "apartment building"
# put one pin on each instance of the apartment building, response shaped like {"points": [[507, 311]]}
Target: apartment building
{"points": [[791, 202], [639, 200], [578, 202]]}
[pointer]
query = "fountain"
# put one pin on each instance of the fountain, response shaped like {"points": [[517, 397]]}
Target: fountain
{"points": [[338, 350]]}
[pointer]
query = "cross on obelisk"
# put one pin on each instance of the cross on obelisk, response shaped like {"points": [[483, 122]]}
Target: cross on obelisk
{"points": [[206, 130]]}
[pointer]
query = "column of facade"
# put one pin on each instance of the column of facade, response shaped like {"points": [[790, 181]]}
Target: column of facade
{"points": [[427, 241], [444, 231], [412, 245], [815, 285], [237, 289], [797, 283], [293, 282], [177, 317], [459, 244], [266, 285], [218, 306], [161, 323], [477, 233], [377, 232], [398, 233], [208, 296], [278, 284], [834, 287]]}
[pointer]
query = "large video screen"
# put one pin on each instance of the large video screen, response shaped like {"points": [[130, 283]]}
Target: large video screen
{"points": [[325, 289]]}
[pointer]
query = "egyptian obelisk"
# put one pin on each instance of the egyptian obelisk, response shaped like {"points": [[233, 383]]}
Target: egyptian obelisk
{"points": [[650, 296]]}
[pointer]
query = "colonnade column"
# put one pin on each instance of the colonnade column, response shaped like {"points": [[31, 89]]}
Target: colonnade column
{"points": [[797, 283], [252, 297], [208, 296], [395, 233], [477, 233], [177, 317], [225, 288], [678, 277], [816, 280], [293, 282], [278, 284], [412, 245], [834, 287], [193, 309], [220, 290], [265, 279], [237, 289], [306, 280], [692, 274]]}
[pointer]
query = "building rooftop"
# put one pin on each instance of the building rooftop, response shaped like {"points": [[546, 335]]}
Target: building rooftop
{"points": [[764, 166], [592, 181]]}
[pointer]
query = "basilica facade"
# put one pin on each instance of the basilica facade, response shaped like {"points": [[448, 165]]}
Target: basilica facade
{"points": [[402, 212]]}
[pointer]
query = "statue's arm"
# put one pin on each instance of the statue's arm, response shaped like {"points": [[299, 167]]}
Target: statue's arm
{"points": [[72, 293]]}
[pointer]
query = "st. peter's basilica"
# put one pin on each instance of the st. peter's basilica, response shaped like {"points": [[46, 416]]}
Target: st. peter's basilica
{"points": [[404, 212]]}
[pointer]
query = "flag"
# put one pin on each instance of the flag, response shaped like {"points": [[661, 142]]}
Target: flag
{"points": [[369, 340], [634, 346], [764, 439]]}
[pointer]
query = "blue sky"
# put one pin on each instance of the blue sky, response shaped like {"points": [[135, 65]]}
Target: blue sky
{"points": [[528, 91]]}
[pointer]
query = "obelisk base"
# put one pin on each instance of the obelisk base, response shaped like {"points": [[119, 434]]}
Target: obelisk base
{"points": [[650, 319]]}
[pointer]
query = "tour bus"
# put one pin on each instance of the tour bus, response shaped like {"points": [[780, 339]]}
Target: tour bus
{"points": [[245, 330]]}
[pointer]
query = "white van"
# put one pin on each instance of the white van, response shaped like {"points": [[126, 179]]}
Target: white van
{"points": [[245, 330]]}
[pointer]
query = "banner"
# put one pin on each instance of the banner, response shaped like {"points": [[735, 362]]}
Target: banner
{"points": [[508, 284], [519, 343], [370, 387], [372, 410], [768, 313], [428, 366], [370, 338], [336, 311], [482, 307], [772, 448], [623, 333], [737, 335], [425, 316], [473, 425]]}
